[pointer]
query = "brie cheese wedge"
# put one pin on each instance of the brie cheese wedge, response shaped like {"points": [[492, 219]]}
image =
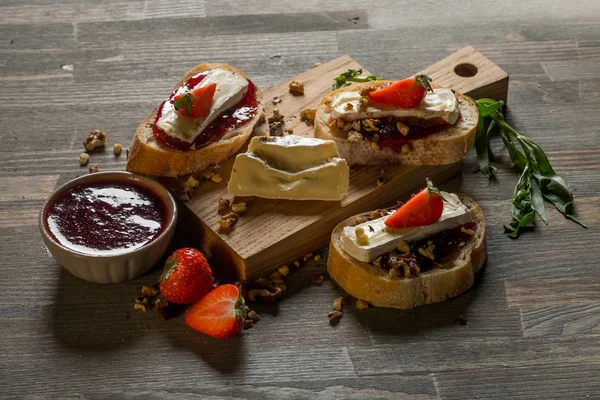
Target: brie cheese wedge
{"points": [[290, 167], [381, 239], [440, 104], [231, 88]]}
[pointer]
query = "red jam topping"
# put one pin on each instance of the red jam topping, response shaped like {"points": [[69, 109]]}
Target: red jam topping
{"points": [[106, 218], [233, 118]]}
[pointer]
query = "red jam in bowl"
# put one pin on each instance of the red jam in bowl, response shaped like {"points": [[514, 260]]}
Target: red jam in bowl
{"points": [[106, 218]]}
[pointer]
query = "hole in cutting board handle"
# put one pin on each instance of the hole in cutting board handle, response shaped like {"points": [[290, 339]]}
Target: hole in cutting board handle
{"points": [[466, 70]]}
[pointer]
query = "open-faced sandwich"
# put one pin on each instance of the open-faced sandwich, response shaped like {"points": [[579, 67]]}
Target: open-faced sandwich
{"points": [[398, 122], [425, 251], [207, 118]]}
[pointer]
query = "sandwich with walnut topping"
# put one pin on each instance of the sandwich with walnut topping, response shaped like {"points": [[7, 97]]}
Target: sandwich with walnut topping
{"points": [[425, 251], [407, 122]]}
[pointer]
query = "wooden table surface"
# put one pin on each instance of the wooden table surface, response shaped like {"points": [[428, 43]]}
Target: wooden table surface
{"points": [[532, 320]]}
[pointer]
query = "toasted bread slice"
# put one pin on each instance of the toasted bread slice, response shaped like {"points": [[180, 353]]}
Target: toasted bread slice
{"points": [[446, 147], [372, 284], [148, 157]]}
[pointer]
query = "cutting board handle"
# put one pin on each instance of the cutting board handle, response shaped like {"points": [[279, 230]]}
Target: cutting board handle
{"points": [[470, 72]]}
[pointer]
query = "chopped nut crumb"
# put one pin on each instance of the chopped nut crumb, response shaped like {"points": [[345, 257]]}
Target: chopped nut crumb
{"points": [[238, 208], [93, 169], [403, 246], [223, 205], [317, 257], [337, 304], [162, 308], [296, 88], [117, 148], [227, 221], [369, 125], [374, 146], [276, 129], [276, 113], [393, 272], [283, 270], [297, 264], [361, 304], [253, 315], [95, 139], [269, 294], [365, 90], [290, 130], [308, 115], [467, 231], [354, 136], [184, 197], [334, 315], [315, 65], [275, 275], [190, 184], [403, 129], [349, 106], [406, 149], [318, 279], [281, 286], [356, 125], [83, 159], [140, 306], [216, 178], [361, 237], [262, 118], [149, 291], [307, 256], [428, 251], [276, 100]]}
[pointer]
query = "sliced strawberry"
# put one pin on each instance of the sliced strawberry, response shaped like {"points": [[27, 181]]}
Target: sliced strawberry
{"points": [[407, 93], [187, 277], [197, 103], [220, 314], [424, 208]]}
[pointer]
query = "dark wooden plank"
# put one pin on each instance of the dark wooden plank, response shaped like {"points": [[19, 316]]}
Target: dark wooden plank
{"points": [[543, 382], [564, 320]]}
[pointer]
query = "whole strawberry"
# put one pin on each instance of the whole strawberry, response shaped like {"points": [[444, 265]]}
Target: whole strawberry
{"points": [[187, 277], [220, 314]]}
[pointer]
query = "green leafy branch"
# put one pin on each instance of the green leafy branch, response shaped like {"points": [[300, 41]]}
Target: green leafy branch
{"points": [[538, 181], [352, 75]]}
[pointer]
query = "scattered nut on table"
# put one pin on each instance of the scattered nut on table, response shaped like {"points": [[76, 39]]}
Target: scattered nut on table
{"points": [[83, 159], [296, 88], [95, 139]]}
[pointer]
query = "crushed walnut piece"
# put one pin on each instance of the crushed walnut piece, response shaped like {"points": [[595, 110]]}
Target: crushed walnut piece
{"points": [[361, 237], [361, 304], [296, 88], [289, 131], [374, 146], [141, 303], [354, 136], [296, 264], [227, 221], [276, 129], [307, 256], [318, 279], [365, 90], [334, 316], [190, 184], [317, 257], [308, 115], [239, 208], [337, 304], [251, 318], [93, 169], [268, 294], [276, 100], [406, 149], [427, 251], [284, 270], [117, 148], [162, 308], [370, 125], [83, 159], [223, 205], [95, 139], [317, 64], [403, 246], [216, 178], [380, 181], [403, 129], [149, 291]]}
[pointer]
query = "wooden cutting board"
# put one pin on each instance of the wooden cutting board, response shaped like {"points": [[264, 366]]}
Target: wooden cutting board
{"points": [[275, 232]]}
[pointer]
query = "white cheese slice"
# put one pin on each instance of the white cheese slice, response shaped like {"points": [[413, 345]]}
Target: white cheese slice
{"points": [[231, 88], [290, 167], [440, 104], [382, 239]]}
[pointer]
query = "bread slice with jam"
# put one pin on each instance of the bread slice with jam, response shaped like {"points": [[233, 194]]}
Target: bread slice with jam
{"points": [[416, 279], [154, 152], [389, 135]]}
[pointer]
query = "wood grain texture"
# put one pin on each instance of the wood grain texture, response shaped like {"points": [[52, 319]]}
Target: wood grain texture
{"points": [[531, 319]]}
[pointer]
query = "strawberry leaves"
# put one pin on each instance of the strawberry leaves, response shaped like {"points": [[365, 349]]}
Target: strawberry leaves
{"points": [[538, 180], [184, 102], [424, 80]]}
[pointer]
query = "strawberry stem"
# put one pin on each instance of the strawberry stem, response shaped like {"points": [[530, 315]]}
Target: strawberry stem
{"points": [[424, 80]]}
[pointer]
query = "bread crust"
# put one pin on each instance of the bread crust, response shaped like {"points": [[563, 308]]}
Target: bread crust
{"points": [[373, 285], [446, 147], [147, 157]]}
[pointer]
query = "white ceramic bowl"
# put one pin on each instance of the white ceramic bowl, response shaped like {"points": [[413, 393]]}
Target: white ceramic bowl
{"points": [[111, 268]]}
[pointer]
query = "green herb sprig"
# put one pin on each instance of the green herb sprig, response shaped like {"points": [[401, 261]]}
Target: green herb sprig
{"points": [[184, 102], [352, 75], [538, 181]]}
